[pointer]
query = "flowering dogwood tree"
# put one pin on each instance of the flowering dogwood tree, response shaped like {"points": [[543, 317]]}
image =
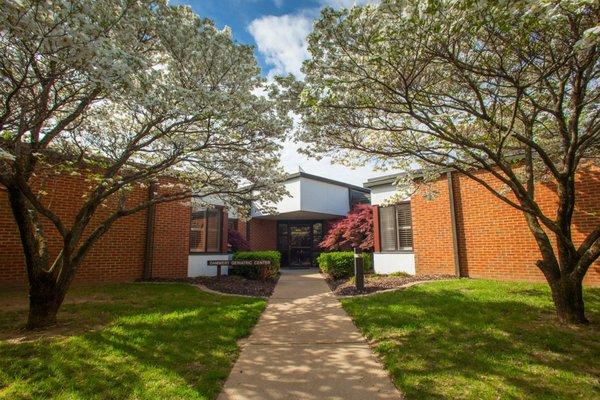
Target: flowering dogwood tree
{"points": [[124, 92], [355, 230], [509, 87]]}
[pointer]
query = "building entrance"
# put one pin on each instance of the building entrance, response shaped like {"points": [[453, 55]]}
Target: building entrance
{"points": [[298, 242]]}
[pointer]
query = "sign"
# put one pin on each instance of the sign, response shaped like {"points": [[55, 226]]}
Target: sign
{"points": [[233, 263], [216, 263], [250, 262]]}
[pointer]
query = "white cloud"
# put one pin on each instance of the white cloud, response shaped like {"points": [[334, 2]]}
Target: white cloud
{"points": [[282, 41], [347, 3]]}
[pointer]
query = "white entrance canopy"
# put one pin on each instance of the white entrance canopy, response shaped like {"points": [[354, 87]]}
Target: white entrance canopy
{"points": [[315, 197]]}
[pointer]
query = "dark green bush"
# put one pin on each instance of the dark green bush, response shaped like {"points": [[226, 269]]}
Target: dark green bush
{"points": [[340, 264], [257, 272]]}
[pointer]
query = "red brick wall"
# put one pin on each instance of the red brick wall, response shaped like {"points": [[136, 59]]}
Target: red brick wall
{"points": [[11, 257], [118, 256], [432, 232], [171, 240], [263, 234], [242, 227], [493, 238]]}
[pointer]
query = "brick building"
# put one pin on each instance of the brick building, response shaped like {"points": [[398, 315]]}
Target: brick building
{"points": [[296, 226], [175, 240], [121, 254], [465, 230]]}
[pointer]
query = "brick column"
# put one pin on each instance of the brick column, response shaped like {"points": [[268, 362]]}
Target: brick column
{"points": [[224, 231]]}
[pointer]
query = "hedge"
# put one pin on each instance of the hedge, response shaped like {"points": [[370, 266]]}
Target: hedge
{"points": [[257, 272], [340, 264]]}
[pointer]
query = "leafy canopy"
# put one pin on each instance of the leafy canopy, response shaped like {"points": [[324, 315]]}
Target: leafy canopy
{"points": [[138, 88], [508, 87], [426, 85], [127, 93], [354, 230]]}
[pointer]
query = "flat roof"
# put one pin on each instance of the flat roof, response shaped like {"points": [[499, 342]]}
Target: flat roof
{"points": [[391, 178], [326, 180], [382, 180]]}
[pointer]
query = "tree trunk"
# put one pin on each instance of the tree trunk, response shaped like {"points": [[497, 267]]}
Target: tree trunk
{"points": [[44, 301], [567, 294]]}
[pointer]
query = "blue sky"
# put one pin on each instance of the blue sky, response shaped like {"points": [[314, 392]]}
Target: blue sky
{"points": [[278, 30], [240, 14]]}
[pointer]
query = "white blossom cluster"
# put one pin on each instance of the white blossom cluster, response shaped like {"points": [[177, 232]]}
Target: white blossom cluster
{"points": [[138, 88], [432, 85], [508, 88]]}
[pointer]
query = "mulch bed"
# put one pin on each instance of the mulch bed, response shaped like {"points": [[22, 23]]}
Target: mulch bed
{"points": [[230, 284], [377, 283]]}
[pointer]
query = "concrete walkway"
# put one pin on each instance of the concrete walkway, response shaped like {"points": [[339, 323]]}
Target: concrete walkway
{"points": [[306, 347]]}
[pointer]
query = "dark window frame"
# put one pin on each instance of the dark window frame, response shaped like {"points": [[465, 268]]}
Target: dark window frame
{"points": [[220, 213], [314, 248], [397, 247], [233, 223], [367, 196]]}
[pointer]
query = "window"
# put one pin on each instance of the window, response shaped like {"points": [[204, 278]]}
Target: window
{"points": [[282, 236], [358, 197], [317, 234], [205, 229], [396, 228], [198, 231], [233, 224]]}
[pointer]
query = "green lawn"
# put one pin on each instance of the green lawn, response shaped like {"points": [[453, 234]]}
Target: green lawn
{"points": [[143, 341], [475, 339]]}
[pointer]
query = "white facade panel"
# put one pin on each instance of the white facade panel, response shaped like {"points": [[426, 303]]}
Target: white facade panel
{"points": [[197, 264], [312, 196], [381, 193], [289, 203], [387, 263], [323, 197]]}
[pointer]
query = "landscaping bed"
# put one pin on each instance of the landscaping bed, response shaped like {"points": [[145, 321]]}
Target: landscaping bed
{"points": [[237, 285], [168, 341], [377, 283], [231, 284]]}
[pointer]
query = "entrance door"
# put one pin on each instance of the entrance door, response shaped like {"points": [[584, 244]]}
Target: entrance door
{"points": [[298, 242], [300, 245]]}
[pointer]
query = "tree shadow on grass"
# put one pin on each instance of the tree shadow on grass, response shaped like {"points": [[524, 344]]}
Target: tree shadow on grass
{"points": [[178, 346], [465, 342]]}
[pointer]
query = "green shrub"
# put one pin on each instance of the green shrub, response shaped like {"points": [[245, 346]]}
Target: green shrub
{"points": [[340, 264], [400, 274], [257, 272]]}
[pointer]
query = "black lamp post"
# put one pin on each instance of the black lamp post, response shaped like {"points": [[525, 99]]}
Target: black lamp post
{"points": [[359, 271]]}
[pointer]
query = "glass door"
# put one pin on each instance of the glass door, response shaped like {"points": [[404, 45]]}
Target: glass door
{"points": [[283, 243], [300, 245], [298, 242]]}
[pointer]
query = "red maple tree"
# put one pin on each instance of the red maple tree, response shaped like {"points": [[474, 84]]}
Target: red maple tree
{"points": [[236, 241], [355, 230]]}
